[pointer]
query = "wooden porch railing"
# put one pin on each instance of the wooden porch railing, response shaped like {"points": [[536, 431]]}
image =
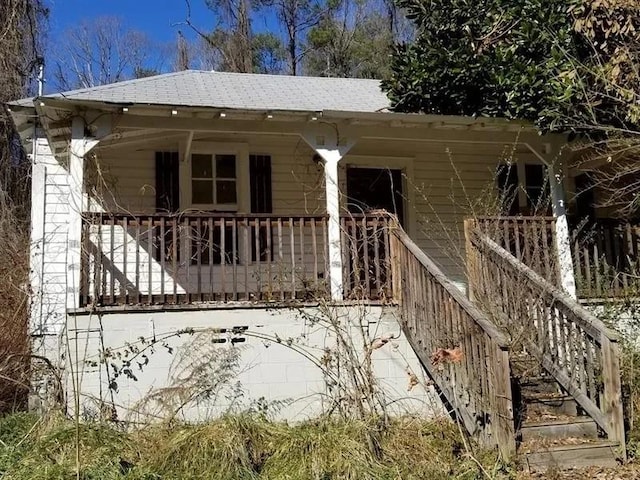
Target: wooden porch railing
{"points": [[463, 352], [532, 240], [570, 343], [216, 257], [606, 262]]}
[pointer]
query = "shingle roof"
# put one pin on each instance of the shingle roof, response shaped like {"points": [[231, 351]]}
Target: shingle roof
{"points": [[241, 91]]}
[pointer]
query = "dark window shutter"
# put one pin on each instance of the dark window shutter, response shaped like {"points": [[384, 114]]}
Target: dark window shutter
{"points": [[167, 198], [261, 201], [260, 174], [167, 182]]}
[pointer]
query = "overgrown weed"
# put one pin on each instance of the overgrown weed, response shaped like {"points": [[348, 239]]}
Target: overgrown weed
{"points": [[239, 447]]}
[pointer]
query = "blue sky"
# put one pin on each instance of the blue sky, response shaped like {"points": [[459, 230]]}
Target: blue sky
{"points": [[155, 17]]}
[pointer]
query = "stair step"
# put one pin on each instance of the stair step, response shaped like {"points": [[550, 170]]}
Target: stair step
{"points": [[537, 385], [574, 427], [601, 454], [549, 405]]}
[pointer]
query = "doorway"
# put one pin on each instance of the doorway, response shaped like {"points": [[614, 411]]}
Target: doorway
{"points": [[374, 189]]}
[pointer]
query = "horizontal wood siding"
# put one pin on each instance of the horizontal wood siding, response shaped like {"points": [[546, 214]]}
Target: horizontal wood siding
{"points": [[49, 252]]}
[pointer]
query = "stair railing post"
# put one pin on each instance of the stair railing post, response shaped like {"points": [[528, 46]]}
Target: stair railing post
{"points": [[612, 391], [469, 226], [395, 259], [503, 422]]}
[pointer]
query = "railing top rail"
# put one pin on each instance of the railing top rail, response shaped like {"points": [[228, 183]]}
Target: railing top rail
{"points": [[515, 217], [583, 316], [199, 214], [474, 312], [202, 214]]}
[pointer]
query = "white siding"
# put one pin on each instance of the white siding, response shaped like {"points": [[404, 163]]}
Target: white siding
{"points": [[49, 242]]}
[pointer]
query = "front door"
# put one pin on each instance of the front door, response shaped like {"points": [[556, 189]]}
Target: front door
{"points": [[367, 263], [374, 189]]}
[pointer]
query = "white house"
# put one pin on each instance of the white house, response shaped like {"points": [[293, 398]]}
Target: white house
{"points": [[248, 205]]}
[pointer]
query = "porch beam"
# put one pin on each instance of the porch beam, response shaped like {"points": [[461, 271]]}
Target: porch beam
{"points": [[383, 130]]}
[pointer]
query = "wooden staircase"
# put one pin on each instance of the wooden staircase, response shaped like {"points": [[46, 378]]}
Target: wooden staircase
{"points": [[552, 431], [520, 364]]}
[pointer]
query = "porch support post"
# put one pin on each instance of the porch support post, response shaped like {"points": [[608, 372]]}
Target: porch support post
{"points": [[326, 140], [333, 231], [563, 236], [79, 147], [552, 158]]}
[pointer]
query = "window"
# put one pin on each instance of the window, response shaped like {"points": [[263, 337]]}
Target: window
{"points": [[537, 188], [213, 180]]}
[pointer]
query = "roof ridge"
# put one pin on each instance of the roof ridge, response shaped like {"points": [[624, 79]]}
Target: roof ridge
{"points": [[109, 86], [287, 75]]}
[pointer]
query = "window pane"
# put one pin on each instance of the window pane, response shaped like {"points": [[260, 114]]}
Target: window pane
{"points": [[201, 166], [225, 166], [226, 191], [202, 191]]}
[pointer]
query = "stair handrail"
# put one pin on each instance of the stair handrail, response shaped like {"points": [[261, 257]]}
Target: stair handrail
{"points": [[437, 317], [571, 343]]}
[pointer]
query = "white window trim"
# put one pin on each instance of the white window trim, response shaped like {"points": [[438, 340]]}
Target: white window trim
{"points": [[241, 151]]}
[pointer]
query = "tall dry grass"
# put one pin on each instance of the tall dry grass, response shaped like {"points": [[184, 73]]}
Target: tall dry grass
{"points": [[239, 447]]}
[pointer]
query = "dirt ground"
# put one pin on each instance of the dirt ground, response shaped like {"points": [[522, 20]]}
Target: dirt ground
{"points": [[623, 472]]}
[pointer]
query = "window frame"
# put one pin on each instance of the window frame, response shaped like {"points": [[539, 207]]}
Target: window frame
{"points": [[215, 206]]}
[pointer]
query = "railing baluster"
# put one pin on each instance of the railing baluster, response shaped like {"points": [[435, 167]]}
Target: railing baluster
{"points": [[281, 267], [212, 291], [292, 246], [346, 263], [112, 259], [188, 249], [150, 258], [325, 253], [223, 260], [365, 255], [247, 258], [235, 255], [376, 258], [100, 271], [269, 258], [303, 270], [125, 247], [174, 257], [85, 262], [256, 267], [137, 267], [199, 243], [163, 255], [314, 248]]}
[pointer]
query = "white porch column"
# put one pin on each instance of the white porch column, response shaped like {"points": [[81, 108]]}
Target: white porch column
{"points": [[326, 141], [79, 146], [333, 230], [563, 236]]}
